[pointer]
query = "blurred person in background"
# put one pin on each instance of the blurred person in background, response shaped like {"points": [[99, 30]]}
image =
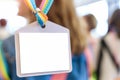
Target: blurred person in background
{"points": [[109, 55], [63, 13], [89, 23], [3, 32], [3, 35]]}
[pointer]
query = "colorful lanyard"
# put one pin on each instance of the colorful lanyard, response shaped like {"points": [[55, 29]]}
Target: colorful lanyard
{"points": [[41, 12], [3, 67]]}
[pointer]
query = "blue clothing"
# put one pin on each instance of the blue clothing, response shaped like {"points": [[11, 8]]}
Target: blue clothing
{"points": [[4, 64], [9, 49], [79, 71]]}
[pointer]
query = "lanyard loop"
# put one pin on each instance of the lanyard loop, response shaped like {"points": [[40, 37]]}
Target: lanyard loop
{"points": [[41, 12]]}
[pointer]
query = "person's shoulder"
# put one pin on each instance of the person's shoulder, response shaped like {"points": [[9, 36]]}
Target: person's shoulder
{"points": [[9, 40]]}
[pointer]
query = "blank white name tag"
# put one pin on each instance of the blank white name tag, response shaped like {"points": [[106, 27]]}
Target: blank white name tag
{"points": [[42, 51]]}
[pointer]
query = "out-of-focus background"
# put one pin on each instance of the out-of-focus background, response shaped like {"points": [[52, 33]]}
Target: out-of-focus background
{"points": [[99, 13], [102, 10]]}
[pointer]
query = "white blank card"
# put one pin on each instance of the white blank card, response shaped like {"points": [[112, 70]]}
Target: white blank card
{"points": [[41, 52]]}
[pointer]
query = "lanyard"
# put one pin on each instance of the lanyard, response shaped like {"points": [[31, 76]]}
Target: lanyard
{"points": [[3, 66], [41, 12]]}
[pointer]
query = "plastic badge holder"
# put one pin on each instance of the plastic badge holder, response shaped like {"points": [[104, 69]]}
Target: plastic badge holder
{"points": [[42, 51]]}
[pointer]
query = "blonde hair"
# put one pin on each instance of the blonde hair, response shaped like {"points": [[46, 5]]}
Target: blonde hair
{"points": [[63, 13]]}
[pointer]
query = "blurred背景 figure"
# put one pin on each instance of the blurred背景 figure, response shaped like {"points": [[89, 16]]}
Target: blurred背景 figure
{"points": [[3, 35], [63, 13], [3, 31], [89, 23], [109, 55]]}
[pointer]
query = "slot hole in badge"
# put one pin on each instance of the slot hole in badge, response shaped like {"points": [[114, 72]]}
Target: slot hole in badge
{"points": [[43, 26]]}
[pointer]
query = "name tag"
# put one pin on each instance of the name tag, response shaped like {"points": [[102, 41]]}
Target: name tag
{"points": [[42, 51]]}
